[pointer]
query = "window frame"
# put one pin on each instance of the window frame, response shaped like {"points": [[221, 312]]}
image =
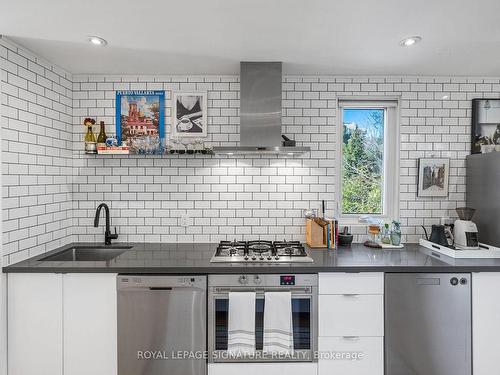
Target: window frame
{"points": [[390, 177]]}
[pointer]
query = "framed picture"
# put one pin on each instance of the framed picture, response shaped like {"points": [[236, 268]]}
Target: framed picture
{"points": [[140, 117], [485, 125], [433, 176], [189, 114]]}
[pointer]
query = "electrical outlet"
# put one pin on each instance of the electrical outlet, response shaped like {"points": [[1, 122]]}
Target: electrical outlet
{"points": [[185, 220]]}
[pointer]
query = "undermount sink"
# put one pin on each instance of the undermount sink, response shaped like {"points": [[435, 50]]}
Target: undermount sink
{"points": [[87, 253]]}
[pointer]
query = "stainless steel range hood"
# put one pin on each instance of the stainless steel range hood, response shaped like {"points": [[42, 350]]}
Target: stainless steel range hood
{"points": [[260, 112]]}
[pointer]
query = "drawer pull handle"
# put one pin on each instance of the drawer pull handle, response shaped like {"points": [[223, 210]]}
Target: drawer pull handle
{"points": [[350, 295], [353, 338]]}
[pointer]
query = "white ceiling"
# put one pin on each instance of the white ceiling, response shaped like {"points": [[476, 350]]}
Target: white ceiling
{"points": [[460, 37]]}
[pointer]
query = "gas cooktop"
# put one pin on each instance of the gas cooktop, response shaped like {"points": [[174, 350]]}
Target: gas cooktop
{"points": [[260, 251]]}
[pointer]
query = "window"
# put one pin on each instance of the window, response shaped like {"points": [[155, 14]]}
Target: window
{"points": [[368, 159]]}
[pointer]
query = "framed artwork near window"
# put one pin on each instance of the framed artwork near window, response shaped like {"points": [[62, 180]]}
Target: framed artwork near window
{"points": [[485, 125], [140, 116], [189, 114], [433, 177]]}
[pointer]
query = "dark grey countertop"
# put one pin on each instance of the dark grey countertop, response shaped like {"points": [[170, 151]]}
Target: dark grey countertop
{"points": [[194, 258]]}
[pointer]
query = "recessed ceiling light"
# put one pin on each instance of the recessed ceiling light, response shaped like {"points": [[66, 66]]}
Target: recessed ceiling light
{"points": [[97, 41], [408, 42], [445, 97]]}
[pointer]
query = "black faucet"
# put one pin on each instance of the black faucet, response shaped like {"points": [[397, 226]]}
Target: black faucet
{"points": [[107, 235]]}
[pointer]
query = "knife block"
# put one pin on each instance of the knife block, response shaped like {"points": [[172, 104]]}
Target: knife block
{"points": [[315, 234]]}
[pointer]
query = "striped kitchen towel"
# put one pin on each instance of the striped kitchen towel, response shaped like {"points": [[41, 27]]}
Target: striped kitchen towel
{"points": [[278, 329], [241, 324]]}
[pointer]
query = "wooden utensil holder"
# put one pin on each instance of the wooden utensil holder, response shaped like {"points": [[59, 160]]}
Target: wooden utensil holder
{"points": [[314, 234]]}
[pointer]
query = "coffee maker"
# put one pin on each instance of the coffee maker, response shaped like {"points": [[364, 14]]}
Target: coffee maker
{"points": [[465, 230]]}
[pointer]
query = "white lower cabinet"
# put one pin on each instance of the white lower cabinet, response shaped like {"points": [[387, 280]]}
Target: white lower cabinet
{"points": [[66, 325], [262, 368], [351, 355], [485, 322], [61, 324], [89, 321], [351, 324], [351, 315], [34, 324]]}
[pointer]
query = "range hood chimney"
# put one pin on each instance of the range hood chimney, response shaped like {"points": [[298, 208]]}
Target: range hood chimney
{"points": [[260, 112]]}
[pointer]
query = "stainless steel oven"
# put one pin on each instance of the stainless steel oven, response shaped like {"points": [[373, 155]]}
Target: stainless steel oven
{"points": [[304, 291]]}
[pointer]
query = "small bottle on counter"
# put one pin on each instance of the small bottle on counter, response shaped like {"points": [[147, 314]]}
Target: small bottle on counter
{"points": [[396, 233], [386, 235]]}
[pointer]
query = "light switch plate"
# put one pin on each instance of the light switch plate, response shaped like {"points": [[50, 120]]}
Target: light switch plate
{"points": [[185, 220]]}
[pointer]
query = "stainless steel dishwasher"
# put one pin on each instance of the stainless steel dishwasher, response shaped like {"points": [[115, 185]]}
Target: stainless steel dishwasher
{"points": [[428, 324], [161, 325]]}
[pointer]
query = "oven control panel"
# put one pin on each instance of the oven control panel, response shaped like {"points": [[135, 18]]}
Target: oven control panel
{"points": [[287, 280], [263, 281]]}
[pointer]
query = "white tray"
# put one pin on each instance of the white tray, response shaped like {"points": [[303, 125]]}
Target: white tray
{"points": [[387, 246], [485, 251]]}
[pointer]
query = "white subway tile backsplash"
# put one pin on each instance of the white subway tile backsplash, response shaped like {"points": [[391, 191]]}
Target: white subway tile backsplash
{"points": [[37, 199], [51, 188]]}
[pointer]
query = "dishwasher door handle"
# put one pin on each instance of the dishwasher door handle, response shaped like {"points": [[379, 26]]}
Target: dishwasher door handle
{"points": [[160, 288], [428, 281]]}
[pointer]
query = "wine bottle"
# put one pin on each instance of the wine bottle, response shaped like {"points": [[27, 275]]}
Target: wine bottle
{"points": [[89, 136], [101, 138], [90, 144]]}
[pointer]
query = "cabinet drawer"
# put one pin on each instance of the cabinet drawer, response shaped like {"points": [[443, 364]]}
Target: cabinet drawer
{"points": [[351, 283], [370, 363], [351, 315]]}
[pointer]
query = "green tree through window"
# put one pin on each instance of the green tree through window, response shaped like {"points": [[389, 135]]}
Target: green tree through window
{"points": [[362, 160]]}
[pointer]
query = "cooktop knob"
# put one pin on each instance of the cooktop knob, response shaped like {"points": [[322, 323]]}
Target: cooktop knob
{"points": [[253, 258], [277, 257], [257, 279], [261, 258], [243, 280], [245, 257], [269, 258]]}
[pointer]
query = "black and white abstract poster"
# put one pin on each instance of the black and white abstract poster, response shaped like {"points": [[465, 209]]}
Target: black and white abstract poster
{"points": [[189, 114]]}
